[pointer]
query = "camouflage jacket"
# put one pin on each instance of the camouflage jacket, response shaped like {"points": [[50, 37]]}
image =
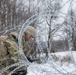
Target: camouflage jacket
{"points": [[3, 50], [29, 47], [12, 48]]}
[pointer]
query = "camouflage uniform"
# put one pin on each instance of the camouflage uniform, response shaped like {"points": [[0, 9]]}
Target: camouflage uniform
{"points": [[27, 49], [12, 48], [28, 46], [9, 45], [3, 51]]}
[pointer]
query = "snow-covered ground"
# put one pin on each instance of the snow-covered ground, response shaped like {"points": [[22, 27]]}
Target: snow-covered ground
{"points": [[61, 64]]}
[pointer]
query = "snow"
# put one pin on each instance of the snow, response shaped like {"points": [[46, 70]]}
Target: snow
{"points": [[52, 67]]}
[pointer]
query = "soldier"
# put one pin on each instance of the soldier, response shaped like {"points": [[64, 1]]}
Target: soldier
{"points": [[27, 42], [8, 50]]}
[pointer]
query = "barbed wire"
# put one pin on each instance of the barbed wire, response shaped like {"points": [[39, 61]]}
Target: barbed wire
{"points": [[28, 22]]}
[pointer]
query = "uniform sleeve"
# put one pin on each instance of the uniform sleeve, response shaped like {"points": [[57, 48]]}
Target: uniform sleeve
{"points": [[12, 49]]}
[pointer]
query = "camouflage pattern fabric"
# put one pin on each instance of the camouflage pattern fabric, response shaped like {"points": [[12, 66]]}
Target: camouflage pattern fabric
{"points": [[8, 47], [3, 52], [12, 54], [12, 48], [28, 47]]}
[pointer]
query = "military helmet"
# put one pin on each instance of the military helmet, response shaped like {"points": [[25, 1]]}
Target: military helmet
{"points": [[30, 30], [14, 34]]}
